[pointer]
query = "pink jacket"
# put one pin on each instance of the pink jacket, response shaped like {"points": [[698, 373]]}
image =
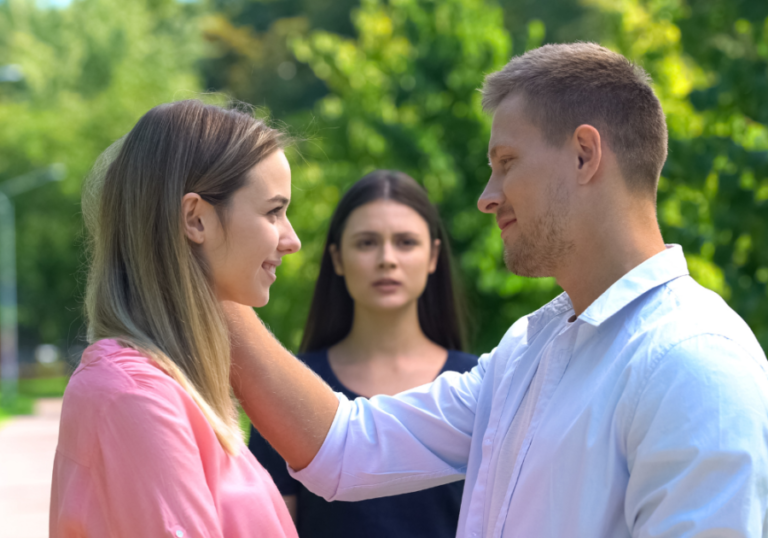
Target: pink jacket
{"points": [[136, 458]]}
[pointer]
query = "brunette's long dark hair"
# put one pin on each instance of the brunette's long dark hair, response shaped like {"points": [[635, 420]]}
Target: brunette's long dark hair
{"points": [[441, 315]]}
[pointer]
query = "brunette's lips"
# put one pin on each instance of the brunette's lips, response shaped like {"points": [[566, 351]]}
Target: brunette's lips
{"points": [[504, 223], [385, 282]]}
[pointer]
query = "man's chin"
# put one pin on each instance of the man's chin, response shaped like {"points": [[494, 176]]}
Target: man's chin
{"points": [[522, 264]]}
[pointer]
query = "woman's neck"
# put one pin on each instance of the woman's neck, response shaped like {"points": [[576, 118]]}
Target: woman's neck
{"points": [[384, 335]]}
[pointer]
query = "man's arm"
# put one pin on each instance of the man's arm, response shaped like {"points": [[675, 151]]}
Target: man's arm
{"points": [[290, 406], [697, 445], [344, 450]]}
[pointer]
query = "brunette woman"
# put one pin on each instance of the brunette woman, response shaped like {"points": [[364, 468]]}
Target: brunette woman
{"points": [[384, 319], [190, 211]]}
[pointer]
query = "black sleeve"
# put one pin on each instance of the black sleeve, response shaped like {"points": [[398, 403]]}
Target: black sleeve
{"points": [[273, 463]]}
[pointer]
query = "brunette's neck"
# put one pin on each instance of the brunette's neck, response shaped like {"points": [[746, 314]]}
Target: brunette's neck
{"points": [[383, 335]]}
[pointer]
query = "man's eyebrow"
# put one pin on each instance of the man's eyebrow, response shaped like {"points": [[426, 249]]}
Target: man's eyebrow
{"points": [[279, 198]]}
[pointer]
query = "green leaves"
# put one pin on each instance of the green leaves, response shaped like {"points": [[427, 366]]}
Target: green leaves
{"points": [[90, 71]]}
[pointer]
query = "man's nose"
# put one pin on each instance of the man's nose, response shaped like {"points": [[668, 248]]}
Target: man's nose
{"points": [[492, 197]]}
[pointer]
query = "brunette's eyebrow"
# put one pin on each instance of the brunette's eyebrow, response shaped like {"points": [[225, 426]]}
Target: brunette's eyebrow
{"points": [[279, 198]]}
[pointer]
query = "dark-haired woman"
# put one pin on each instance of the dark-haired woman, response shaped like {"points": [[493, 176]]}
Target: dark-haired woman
{"points": [[384, 319]]}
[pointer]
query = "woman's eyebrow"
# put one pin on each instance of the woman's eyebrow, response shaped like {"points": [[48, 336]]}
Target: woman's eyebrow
{"points": [[279, 198]]}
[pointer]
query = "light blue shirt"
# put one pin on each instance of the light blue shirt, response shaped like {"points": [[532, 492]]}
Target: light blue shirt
{"points": [[650, 420]]}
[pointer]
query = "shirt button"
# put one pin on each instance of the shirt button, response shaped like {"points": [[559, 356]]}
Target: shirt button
{"points": [[180, 534]]}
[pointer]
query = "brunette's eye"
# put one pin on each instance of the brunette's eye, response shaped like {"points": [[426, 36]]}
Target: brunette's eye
{"points": [[276, 211], [366, 243]]}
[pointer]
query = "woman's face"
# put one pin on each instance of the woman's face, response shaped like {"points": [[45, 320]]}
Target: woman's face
{"points": [[385, 255], [243, 253]]}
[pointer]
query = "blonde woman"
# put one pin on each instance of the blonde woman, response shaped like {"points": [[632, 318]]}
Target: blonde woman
{"points": [[190, 211]]}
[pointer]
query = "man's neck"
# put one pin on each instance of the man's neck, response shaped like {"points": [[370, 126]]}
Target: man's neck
{"points": [[603, 256]]}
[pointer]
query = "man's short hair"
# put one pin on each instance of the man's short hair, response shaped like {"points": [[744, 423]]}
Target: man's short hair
{"points": [[568, 85]]}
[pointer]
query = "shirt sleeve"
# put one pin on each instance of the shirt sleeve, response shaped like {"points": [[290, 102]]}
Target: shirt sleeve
{"points": [[397, 444], [273, 463], [697, 446], [151, 471]]}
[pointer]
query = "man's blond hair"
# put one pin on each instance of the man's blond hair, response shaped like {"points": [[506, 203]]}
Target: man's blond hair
{"points": [[568, 85]]}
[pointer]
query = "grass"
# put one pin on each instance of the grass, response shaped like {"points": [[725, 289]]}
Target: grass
{"points": [[28, 391], [46, 387]]}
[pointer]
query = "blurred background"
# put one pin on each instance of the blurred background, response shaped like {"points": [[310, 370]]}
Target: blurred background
{"points": [[366, 84], [363, 84]]}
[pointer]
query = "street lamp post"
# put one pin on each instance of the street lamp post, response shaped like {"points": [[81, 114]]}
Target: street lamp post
{"points": [[9, 356]]}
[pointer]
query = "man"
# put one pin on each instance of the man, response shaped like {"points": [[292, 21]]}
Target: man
{"points": [[635, 404]]}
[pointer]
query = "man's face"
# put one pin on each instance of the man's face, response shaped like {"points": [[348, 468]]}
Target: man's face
{"points": [[529, 192]]}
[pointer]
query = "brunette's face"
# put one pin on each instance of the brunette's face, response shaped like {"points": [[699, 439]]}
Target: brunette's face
{"points": [[243, 254], [385, 256]]}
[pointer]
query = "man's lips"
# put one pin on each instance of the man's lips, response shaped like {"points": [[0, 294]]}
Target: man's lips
{"points": [[506, 222]]}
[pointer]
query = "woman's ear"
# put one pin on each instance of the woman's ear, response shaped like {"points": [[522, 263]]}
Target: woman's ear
{"points": [[192, 208], [434, 256], [338, 268]]}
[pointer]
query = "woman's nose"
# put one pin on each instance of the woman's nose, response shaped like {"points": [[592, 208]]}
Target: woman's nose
{"points": [[388, 258], [289, 241]]}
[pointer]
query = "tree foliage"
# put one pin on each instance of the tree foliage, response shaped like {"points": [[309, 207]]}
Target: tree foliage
{"points": [[90, 70], [399, 92], [370, 84]]}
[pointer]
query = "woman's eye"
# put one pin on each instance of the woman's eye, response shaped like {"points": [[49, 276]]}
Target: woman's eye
{"points": [[365, 243]]}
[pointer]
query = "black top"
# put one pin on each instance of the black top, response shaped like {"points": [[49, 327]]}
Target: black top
{"points": [[430, 513]]}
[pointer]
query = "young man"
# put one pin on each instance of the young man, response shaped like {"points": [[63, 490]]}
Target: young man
{"points": [[635, 404]]}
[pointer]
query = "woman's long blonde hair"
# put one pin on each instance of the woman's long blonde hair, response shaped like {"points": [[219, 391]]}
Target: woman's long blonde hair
{"points": [[148, 285]]}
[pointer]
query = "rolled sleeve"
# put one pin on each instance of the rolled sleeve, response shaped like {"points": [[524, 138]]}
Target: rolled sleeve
{"points": [[698, 444], [397, 444]]}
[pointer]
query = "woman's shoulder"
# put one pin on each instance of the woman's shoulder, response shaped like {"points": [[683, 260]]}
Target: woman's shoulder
{"points": [[459, 361], [109, 369]]}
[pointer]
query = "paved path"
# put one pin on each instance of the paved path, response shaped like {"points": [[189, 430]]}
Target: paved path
{"points": [[27, 447]]}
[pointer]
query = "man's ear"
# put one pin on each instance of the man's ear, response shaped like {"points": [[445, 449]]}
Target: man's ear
{"points": [[338, 268], [192, 208], [434, 256], [586, 140]]}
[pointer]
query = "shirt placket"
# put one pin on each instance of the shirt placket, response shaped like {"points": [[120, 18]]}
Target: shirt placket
{"points": [[555, 361], [474, 525]]}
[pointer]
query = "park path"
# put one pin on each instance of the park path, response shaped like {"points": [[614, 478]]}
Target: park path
{"points": [[27, 447]]}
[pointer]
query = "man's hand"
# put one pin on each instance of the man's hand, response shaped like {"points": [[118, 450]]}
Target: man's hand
{"points": [[290, 406]]}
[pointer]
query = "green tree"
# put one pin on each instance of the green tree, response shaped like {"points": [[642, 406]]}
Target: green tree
{"points": [[403, 94], [399, 93], [90, 70]]}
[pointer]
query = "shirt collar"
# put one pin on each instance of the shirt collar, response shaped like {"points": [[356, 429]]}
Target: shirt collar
{"points": [[653, 272]]}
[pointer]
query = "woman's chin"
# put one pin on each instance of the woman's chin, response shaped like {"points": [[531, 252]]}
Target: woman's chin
{"points": [[256, 300]]}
